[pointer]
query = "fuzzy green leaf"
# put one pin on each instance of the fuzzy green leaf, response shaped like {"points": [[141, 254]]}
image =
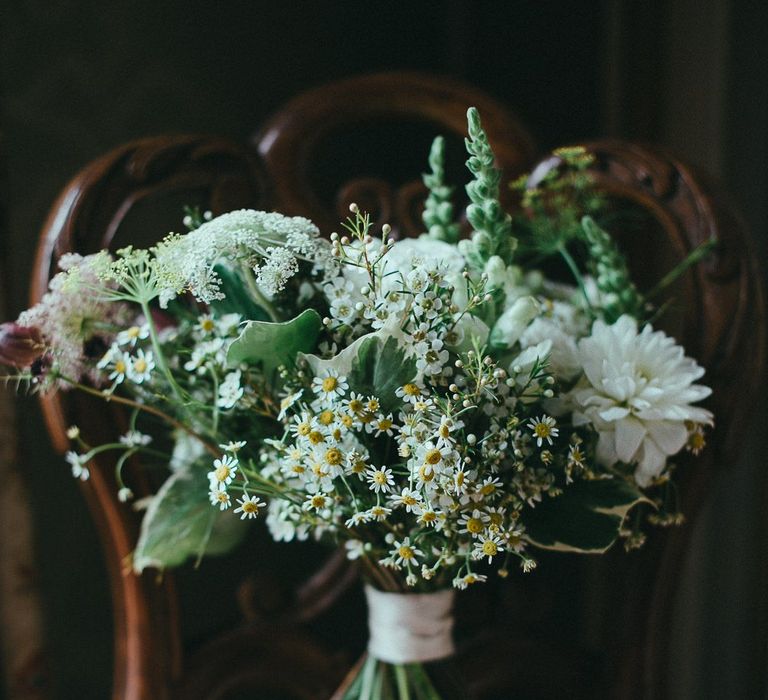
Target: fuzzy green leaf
{"points": [[180, 523], [586, 518], [275, 344]]}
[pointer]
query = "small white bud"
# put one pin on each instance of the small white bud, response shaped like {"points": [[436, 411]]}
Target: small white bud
{"points": [[471, 439], [354, 208], [386, 229], [549, 393], [458, 364], [359, 306], [334, 236], [345, 240]]}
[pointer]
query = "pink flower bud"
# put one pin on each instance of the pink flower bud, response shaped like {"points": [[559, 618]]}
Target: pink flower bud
{"points": [[20, 346]]}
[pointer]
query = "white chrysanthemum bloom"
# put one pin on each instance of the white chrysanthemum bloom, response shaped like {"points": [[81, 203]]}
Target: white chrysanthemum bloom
{"points": [[637, 391]]}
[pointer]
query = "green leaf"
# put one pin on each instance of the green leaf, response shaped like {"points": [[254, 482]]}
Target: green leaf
{"points": [[374, 364], [180, 523], [585, 518], [236, 300], [379, 369], [275, 344]]}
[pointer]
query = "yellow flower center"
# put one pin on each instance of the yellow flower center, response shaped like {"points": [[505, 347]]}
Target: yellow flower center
{"points": [[347, 421], [380, 477], [222, 497], [411, 390], [488, 489], [409, 500], [298, 469], [318, 501], [223, 472], [426, 473], [496, 519], [542, 430], [316, 437], [444, 430], [490, 548], [433, 457], [428, 516], [358, 467], [326, 417], [133, 332], [140, 366], [406, 552], [333, 456], [120, 367], [304, 429], [385, 424], [475, 526], [250, 507], [356, 405], [367, 417], [330, 384], [207, 325], [372, 405]]}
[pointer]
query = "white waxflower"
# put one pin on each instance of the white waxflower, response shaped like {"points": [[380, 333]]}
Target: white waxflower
{"points": [[78, 462], [355, 549], [230, 390], [134, 438], [430, 356], [637, 391]]}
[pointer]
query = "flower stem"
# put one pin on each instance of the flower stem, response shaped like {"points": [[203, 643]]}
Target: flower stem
{"points": [[147, 409]]}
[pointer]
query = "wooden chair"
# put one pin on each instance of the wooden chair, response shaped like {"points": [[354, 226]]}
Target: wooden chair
{"points": [[274, 617]]}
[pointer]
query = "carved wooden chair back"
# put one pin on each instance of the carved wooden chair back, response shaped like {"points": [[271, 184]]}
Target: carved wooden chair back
{"points": [[273, 616]]}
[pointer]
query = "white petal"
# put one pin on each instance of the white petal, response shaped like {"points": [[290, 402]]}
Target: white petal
{"points": [[669, 436], [629, 436]]}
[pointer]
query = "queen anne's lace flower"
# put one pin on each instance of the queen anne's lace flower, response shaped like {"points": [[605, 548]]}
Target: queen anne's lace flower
{"points": [[637, 391]]}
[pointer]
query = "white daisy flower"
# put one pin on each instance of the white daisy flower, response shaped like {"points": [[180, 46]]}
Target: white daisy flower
{"points": [[224, 470], [380, 480], [220, 498], [132, 335], [249, 506], [329, 386], [233, 446], [404, 553], [141, 366], [543, 428], [121, 363], [488, 546]]}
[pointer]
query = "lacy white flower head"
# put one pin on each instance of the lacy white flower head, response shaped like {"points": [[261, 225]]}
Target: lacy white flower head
{"points": [[269, 243], [637, 391]]}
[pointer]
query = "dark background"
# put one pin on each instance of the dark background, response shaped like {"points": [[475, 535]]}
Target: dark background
{"points": [[79, 78]]}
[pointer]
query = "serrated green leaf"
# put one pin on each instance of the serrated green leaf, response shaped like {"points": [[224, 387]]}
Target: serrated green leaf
{"points": [[180, 523], [275, 344], [586, 518]]}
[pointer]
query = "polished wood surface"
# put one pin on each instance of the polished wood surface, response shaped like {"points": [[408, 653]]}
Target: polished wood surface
{"points": [[311, 626]]}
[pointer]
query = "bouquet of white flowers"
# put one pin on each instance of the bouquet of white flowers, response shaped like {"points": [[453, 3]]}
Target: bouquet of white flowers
{"points": [[437, 406]]}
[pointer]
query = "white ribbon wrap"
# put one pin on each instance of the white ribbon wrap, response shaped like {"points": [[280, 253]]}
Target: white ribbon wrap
{"points": [[410, 627]]}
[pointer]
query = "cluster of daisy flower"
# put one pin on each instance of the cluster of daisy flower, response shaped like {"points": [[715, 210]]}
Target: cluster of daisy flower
{"points": [[428, 403]]}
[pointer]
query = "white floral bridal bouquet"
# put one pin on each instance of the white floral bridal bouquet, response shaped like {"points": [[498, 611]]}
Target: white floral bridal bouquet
{"points": [[436, 406]]}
